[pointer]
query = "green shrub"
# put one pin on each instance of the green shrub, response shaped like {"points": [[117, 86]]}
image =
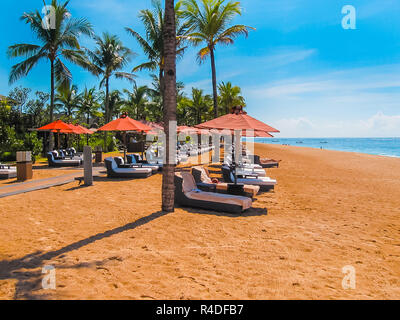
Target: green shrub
{"points": [[7, 156]]}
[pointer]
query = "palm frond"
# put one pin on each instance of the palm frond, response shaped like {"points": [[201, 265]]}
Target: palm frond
{"points": [[62, 74], [151, 65], [23, 68], [203, 54], [22, 49], [125, 75]]}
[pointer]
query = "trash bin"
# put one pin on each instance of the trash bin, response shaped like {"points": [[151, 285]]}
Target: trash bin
{"points": [[98, 156], [24, 165]]}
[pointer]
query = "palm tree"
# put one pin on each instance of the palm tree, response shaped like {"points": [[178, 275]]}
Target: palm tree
{"points": [[200, 104], [68, 98], [210, 25], [58, 43], [169, 94], [229, 96], [115, 103], [109, 57], [153, 43], [137, 102], [89, 104]]}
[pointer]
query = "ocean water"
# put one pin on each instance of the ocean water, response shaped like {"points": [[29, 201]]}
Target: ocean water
{"points": [[389, 147]]}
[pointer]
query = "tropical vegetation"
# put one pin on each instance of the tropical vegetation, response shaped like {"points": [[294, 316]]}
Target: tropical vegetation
{"points": [[207, 22]]}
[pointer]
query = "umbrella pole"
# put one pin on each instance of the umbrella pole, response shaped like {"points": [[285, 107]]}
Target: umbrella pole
{"points": [[124, 147], [143, 145], [233, 157], [58, 139]]}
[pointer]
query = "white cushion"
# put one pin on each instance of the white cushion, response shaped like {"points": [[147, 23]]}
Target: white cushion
{"points": [[244, 202], [188, 183], [132, 170], [258, 182]]}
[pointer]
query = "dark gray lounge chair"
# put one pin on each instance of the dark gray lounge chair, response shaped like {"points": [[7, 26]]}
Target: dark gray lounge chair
{"points": [[265, 183], [7, 172], [133, 159], [59, 162], [204, 182], [187, 195], [114, 172], [266, 163]]}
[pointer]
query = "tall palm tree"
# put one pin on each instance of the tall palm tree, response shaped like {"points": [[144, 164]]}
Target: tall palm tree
{"points": [[108, 59], [210, 23], [89, 104], [200, 104], [137, 102], [152, 43], [68, 98], [58, 43], [169, 93], [229, 96]]}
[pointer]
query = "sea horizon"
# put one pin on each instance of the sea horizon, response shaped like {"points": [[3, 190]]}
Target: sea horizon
{"points": [[381, 146]]}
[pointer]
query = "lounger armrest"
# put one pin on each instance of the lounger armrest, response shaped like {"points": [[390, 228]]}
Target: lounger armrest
{"points": [[207, 187], [135, 165], [251, 176]]}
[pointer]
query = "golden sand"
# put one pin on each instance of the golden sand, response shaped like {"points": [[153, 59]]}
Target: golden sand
{"points": [[110, 241]]}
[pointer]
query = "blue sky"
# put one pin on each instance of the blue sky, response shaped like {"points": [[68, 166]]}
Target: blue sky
{"points": [[300, 71]]}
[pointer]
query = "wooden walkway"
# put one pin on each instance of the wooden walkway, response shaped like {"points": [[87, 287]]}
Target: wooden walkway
{"points": [[33, 185]]}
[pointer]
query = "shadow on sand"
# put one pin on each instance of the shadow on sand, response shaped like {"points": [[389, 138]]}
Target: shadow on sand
{"points": [[27, 271], [252, 212]]}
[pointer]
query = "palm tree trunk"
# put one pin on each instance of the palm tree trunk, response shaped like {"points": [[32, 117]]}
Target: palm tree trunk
{"points": [[162, 84], [214, 82], [169, 103], [106, 105], [51, 136], [87, 136]]}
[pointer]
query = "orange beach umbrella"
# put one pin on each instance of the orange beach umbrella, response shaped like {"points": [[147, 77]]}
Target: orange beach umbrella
{"points": [[125, 124], [57, 126], [239, 120]]}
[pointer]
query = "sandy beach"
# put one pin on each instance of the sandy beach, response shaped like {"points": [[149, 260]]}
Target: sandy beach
{"points": [[110, 241]]}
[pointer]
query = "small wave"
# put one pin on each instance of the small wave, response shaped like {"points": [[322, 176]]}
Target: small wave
{"points": [[389, 155]]}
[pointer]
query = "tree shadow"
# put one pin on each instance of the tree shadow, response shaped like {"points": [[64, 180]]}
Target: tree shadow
{"points": [[27, 270], [103, 179], [252, 212]]}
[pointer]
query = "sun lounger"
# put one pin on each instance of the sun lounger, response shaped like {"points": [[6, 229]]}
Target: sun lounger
{"points": [[136, 160], [58, 162], [203, 180], [244, 163], [187, 194], [266, 163], [265, 183], [242, 170], [7, 172], [114, 172], [121, 164]]}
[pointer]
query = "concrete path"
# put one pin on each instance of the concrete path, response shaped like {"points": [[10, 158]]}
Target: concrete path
{"points": [[33, 185]]}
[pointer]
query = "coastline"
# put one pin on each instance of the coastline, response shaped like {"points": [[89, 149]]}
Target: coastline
{"points": [[330, 209], [339, 144]]}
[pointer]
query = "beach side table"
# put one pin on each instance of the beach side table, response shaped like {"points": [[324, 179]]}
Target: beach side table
{"points": [[24, 166], [236, 189]]}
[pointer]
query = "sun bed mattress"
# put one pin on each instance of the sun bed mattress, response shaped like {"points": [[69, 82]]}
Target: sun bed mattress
{"points": [[244, 202]]}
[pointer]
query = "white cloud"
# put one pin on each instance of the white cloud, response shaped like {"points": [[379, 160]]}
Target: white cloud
{"points": [[300, 127], [378, 125], [382, 125]]}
